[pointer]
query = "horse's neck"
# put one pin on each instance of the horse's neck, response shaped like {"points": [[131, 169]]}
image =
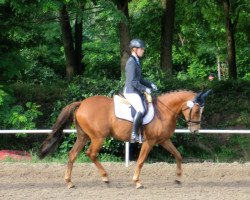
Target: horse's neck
{"points": [[173, 102], [169, 106]]}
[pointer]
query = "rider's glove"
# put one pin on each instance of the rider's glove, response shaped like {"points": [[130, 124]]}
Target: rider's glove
{"points": [[148, 90], [154, 87]]}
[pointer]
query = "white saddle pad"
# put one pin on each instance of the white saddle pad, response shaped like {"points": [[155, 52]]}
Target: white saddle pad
{"points": [[123, 110]]}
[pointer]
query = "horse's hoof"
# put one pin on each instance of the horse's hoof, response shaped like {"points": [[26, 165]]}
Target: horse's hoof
{"points": [[105, 179], [70, 185], [139, 186], [177, 182]]}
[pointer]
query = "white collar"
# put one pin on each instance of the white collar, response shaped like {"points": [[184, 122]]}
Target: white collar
{"points": [[134, 54]]}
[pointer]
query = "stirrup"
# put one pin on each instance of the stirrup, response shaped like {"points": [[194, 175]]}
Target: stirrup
{"points": [[141, 138], [136, 138]]}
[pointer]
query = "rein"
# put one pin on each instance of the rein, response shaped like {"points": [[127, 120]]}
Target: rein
{"points": [[176, 114], [189, 116]]}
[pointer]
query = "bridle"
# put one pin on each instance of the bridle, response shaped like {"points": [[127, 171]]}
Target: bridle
{"points": [[190, 113], [198, 100]]}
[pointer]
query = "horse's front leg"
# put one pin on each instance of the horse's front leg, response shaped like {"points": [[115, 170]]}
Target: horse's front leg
{"points": [[145, 149], [172, 149]]}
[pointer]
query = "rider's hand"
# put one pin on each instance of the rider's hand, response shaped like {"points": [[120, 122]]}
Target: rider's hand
{"points": [[148, 90], [154, 87]]}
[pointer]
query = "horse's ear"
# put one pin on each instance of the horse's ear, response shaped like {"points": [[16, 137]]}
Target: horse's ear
{"points": [[204, 95], [198, 98], [201, 97]]}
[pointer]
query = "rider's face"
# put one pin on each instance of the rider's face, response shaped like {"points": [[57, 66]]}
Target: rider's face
{"points": [[139, 52]]}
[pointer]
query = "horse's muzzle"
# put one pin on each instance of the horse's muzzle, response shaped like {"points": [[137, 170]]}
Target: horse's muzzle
{"points": [[194, 128], [195, 131]]}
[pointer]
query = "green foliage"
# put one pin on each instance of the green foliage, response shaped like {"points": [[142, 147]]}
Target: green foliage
{"points": [[155, 75], [197, 70], [102, 51], [10, 64], [2, 95], [145, 24], [38, 64], [109, 157], [113, 147], [67, 144], [106, 65], [246, 77], [22, 118], [110, 148], [31, 43], [82, 88], [17, 116]]}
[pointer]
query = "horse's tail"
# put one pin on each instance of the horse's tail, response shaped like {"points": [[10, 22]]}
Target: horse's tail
{"points": [[52, 141]]}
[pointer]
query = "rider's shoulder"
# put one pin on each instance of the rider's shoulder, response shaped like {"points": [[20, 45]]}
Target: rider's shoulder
{"points": [[130, 62]]}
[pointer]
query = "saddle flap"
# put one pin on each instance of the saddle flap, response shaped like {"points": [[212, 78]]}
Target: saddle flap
{"points": [[123, 110], [121, 99]]}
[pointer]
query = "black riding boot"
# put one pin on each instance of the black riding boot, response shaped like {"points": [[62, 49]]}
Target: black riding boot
{"points": [[136, 126]]}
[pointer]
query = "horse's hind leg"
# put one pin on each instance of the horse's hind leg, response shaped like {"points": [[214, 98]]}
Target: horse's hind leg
{"points": [[92, 152], [172, 149], [81, 140]]}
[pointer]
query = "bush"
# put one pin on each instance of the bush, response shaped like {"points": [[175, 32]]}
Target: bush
{"points": [[17, 116]]}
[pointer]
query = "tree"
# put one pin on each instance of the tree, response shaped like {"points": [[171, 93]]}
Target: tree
{"points": [[123, 33], [80, 65], [167, 32], [68, 42], [29, 42], [72, 45], [31, 46], [230, 31]]}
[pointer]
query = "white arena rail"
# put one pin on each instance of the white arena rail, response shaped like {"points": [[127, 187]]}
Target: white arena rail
{"points": [[34, 131], [127, 143]]}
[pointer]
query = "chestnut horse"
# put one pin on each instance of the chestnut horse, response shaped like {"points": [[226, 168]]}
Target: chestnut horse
{"points": [[95, 120]]}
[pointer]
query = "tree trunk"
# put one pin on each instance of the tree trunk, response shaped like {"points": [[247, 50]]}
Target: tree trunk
{"points": [[80, 67], [124, 34], [67, 42], [232, 69], [167, 30]]}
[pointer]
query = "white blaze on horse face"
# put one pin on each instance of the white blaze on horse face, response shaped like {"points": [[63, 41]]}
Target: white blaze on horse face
{"points": [[190, 104], [201, 111]]}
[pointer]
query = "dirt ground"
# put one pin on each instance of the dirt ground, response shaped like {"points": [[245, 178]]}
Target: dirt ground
{"points": [[200, 181]]}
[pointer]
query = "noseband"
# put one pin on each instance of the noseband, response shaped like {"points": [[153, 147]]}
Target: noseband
{"points": [[190, 112]]}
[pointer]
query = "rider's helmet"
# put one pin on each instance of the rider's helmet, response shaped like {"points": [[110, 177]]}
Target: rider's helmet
{"points": [[136, 43]]}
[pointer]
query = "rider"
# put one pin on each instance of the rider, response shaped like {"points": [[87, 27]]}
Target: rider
{"points": [[135, 84]]}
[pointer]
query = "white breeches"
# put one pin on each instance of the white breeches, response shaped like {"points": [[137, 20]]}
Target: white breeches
{"points": [[135, 100]]}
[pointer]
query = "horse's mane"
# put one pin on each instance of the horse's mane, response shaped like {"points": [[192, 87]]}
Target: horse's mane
{"points": [[175, 91]]}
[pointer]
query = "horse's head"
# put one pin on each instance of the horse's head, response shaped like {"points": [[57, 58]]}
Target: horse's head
{"points": [[192, 111]]}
